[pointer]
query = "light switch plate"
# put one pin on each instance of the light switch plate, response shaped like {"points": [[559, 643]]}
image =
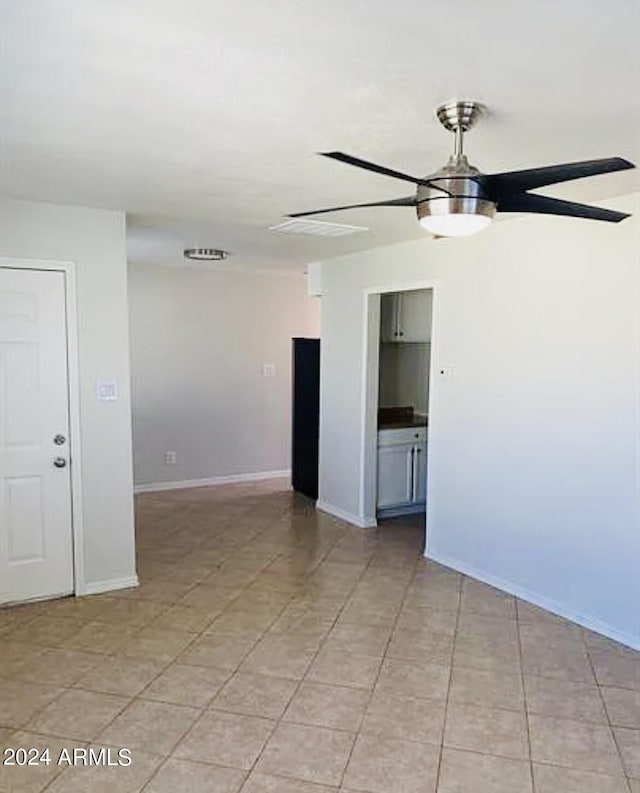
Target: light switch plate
{"points": [[268, 369], [107, 391]]}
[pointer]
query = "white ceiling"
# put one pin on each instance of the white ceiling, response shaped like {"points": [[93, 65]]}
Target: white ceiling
{"points": [[200, 118]]}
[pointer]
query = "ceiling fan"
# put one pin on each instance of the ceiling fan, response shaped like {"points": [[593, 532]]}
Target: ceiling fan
{"points": [[458, 199]]}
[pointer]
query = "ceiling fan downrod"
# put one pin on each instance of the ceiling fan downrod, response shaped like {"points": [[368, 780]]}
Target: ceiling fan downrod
{"points": [[459, 117]]}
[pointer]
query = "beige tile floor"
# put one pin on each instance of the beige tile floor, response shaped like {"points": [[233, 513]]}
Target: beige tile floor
{"points": [[272, 649]]}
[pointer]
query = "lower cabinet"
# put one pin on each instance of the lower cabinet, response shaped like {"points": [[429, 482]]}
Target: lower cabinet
{"points": [[402, 470]]}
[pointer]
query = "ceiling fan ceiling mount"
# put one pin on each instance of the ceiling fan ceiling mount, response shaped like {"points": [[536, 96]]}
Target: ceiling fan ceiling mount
{"points": [[459, 115], [458, 199]]}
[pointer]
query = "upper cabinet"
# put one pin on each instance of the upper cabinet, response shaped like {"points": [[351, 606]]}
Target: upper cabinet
{"points": [[388, 317], [414, 315], [406, 316]]}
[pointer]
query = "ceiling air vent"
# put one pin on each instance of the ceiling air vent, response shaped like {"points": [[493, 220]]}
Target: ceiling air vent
{"points": [[316, 228]]}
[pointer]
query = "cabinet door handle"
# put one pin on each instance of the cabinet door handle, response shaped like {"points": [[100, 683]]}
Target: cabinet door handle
{"points": [[410, 474], [414, 483], [417, 467]]}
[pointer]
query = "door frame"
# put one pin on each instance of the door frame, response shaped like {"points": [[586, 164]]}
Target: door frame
{"points": [[75, 425], [369, 413]]}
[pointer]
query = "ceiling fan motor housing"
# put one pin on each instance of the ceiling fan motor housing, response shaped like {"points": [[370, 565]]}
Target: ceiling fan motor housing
{"points": [[460, 192]]}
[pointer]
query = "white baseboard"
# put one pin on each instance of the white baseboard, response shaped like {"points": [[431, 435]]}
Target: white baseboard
{"points": [[98, 587], [153, 487], [538, 600], [356, 520]]}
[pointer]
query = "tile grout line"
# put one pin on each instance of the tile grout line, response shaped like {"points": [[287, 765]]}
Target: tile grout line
{"points": [[232, 674], [524, 694], [449, 682], [102, 693], [303, 679], [377, 677], [203, 711], [323, 642], [606, 713], [278, 721], [65, 689], [106, 726], [136, 697]]}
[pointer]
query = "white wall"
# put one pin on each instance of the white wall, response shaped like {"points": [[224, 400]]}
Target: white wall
{"points": [[199, 340], [95, 241], [533, 439]]}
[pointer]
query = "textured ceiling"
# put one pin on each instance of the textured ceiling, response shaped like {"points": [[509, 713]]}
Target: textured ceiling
{"points": [[201, 118]]}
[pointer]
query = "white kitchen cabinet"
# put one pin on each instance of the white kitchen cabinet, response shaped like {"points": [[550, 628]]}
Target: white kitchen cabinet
{"points": [[402, 469], [400, 435], [414, 315], [395, 478], [388, 317], [406, 316], [420, 474]]}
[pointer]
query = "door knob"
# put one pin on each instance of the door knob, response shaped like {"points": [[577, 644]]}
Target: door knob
{"points": [[59, 439], [59, 462]]}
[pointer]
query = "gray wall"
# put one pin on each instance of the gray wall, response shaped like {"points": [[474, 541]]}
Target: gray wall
{"points": [[533, 429], [199, 340]]}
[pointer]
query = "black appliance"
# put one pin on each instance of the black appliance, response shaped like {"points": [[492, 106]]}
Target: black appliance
{"points": [[306, 416]]}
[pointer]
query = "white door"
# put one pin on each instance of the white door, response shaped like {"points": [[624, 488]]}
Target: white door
{"points": [[36, 558], [395, 475]]}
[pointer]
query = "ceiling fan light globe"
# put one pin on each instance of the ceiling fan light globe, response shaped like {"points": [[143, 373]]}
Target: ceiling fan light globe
{"points": [[458, 215], [457, 225]]}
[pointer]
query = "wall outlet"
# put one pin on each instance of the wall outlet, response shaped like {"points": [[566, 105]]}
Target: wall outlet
{"points": [[170, 458]]}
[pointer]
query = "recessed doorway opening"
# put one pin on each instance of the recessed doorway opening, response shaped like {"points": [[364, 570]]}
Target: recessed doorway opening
{"points": [[397, 409]]}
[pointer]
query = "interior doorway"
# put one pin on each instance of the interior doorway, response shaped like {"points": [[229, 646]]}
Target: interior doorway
{"points": [[36, 499], [397, 410]]}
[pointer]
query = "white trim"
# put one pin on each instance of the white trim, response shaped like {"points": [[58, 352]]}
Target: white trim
{"points": [[152, 487], [369, 396], [98, 587], [537, 600], [37, 599], [75, 424], [356, 520]]}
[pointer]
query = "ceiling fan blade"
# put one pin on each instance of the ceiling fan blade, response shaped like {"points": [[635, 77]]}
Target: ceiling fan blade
{"points": [[514, 181], [370, 166], [409, 201], [543, 205]]}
